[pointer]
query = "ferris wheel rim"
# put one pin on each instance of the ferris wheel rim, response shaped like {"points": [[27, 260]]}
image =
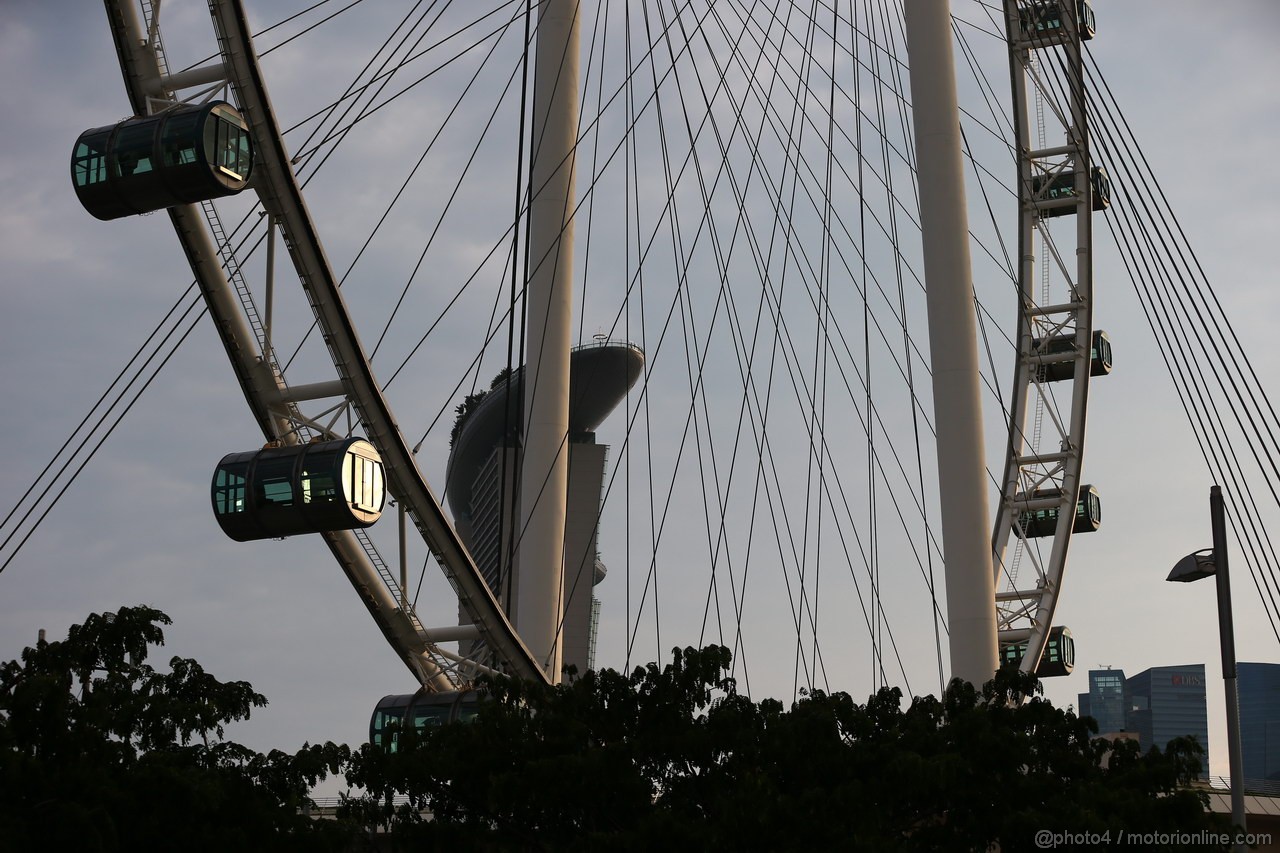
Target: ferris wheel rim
{"points": [[1060, 470], [365, 398]]}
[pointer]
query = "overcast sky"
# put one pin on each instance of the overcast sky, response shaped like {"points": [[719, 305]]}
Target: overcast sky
{"points": [[1196, 83]]}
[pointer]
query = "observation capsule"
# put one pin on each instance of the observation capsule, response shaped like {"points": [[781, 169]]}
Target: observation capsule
{"points": [[1054, 371], [302, 488], [186, 154], [421, 710], [1059, 656], [1044, 522], [1062, 185], [1042, 22]]}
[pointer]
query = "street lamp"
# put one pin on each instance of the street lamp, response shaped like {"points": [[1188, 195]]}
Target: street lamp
{"points": [[1203, 564]]}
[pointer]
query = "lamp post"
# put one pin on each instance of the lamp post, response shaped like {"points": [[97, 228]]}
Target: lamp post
{"points": [[1199, 565]]}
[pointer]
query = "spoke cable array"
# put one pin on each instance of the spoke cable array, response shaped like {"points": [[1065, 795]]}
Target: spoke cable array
{"points": [[774, 308]]}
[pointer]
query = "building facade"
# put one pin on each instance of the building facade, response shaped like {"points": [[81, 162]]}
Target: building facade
{"points": [[1259, 688], [1166, 702], [1157, 705], [1105, 701], [481, 487]]}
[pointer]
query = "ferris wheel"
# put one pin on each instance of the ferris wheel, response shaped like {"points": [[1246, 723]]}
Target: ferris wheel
{"points": [[207, 138]]}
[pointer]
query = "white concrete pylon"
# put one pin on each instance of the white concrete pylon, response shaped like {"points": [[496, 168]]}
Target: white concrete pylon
{"points": [[953, 343], [539, 581]]}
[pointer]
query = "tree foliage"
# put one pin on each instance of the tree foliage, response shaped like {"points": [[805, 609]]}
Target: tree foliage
{"points": [[100, 751], [675, 756]]}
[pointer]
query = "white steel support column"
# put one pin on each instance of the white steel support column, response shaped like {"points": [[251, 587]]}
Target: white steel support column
{"points": [[544, 473], [953, 343]]}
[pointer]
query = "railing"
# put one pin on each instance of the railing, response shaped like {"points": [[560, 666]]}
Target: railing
{"points": [[1256, 787]]}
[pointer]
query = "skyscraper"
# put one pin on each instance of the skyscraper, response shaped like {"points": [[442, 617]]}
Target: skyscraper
{"points": [[1259, 688], [1167, 702], [1105, 701], [484, 462]]}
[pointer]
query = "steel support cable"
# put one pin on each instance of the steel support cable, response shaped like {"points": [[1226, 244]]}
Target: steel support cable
{"points": [[512, 409], [211, 57], [613, 154], [826, 347], [453, 193], [816, 404], [1202, 432], [848, 268], [189, 295], [1209, 436], [1251, 514], [746, 359], [387, 211], [739, 190], [697, 388], [107, 434], [114, 402], [596, 176], [816, 408], [383, 77], [898, 262], [993, 102], [957, 21], [899, 460], [1195, 289], [723, 292], [670, 216], [1193, 300], [877, 612], [798, 111], [601, 27], [899, 90], [354, 91], [739, 187], [630, 183]]}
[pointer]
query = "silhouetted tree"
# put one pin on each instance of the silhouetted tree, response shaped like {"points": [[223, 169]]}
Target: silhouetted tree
{"points": [[675, 757], [100, 751]]}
